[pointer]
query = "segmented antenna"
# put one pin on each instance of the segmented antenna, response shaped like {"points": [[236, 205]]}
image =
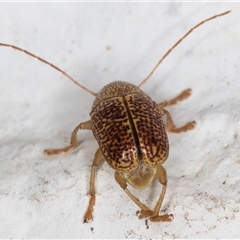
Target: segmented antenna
{"points": [[51, 65], [168, 52], [143, 81]]}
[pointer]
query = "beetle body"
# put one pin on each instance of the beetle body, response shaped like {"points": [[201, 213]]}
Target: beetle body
{"points": [[129, 129]]}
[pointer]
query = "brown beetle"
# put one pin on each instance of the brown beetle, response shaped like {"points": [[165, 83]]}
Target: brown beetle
{"points": [[129, 129]]}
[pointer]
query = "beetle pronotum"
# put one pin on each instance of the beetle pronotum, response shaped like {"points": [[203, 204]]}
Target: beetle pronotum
{"points": [[129, 129]]}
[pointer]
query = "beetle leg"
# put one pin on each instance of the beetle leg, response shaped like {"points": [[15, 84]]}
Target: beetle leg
{"points": [[73, 142], [153, 215], [92, 192], [123, 184], [171, 126], [183, 95], [161, 175]]}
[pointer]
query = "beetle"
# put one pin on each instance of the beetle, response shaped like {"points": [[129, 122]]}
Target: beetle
{"points": [[131, 135]]}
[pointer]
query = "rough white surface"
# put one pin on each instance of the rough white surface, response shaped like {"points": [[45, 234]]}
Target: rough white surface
{"points": [[97, 43]]}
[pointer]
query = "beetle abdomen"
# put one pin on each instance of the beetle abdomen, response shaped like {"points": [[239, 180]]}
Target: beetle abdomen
{"points": [[129, 129]]}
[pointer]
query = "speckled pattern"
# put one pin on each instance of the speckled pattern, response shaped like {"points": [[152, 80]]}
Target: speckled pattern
{"points": [[129, 127], [114, 89], [150, 129], [112, 130]]}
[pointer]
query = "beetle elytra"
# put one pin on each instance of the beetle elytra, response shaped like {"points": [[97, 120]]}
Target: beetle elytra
{"points": [[131, 135]]}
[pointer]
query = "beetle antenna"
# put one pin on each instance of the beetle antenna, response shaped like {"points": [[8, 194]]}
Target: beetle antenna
{"points": [[168, 52], [50, 64]]}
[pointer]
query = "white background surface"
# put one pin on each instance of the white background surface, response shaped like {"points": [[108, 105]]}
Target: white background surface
{"points": [[43, 197]]}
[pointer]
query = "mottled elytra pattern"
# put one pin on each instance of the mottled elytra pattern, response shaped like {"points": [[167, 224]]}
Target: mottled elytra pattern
{"points": [[129, 128], [111, 129], [131, 135], [114, 89], [150, 129]]}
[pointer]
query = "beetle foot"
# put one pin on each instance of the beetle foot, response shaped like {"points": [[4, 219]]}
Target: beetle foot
{"points": [[162, 218], [190, 125], [144, 213], [187, 127], [58, 151], [156, 218], [52, 151], [87, 217], [183, 95]]}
